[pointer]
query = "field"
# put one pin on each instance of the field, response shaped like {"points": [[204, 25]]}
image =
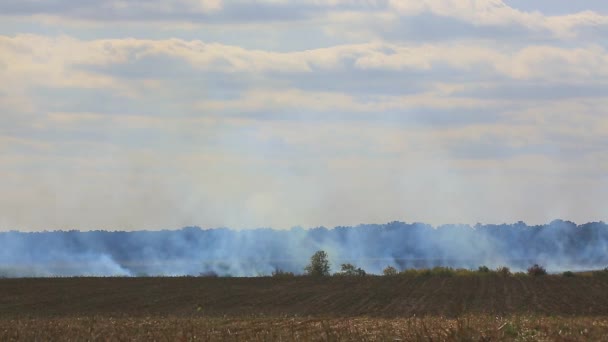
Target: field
{"points": [[478, 307]]}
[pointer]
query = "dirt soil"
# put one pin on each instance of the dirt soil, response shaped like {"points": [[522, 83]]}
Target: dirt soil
{"points": [[387, 297]]}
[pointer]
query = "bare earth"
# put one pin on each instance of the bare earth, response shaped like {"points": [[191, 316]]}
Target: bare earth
{"points": [[300, 308]]}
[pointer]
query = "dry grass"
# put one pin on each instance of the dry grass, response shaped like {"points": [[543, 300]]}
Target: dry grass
{"points": [[469, 328]]}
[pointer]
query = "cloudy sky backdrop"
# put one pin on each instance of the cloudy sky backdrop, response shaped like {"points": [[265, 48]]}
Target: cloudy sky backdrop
{"points": [[129, 114]]}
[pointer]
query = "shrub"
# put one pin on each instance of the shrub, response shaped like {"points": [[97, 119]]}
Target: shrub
{"points": [[350, 270], [412, 272], [504, 271], [437, 271], [279, 273], [463, 272], [390, 271], [483, 269], [319, 265], [442, 271], [537, 270], [601, 273], [568, 274], [425, 272]]}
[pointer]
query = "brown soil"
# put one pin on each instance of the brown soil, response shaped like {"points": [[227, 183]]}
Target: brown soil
{"points": [[388, 297]]}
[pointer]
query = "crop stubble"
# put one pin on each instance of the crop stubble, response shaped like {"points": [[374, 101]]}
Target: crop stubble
{"points": [[489, 307]]}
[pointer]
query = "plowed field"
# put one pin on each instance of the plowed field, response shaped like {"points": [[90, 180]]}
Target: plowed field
{"points": [[386, 297]]}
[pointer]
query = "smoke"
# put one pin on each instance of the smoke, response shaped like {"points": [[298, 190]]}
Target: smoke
{"points": [[560, 245]]}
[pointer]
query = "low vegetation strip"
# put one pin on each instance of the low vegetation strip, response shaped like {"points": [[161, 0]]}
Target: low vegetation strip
{"points": [[226, 252], [403, 295]]}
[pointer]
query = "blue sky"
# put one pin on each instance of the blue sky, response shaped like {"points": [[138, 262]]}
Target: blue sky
{"points": [[160, 114]]}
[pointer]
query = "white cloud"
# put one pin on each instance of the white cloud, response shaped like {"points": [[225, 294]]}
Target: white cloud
{"points": [[496, 12], [328, 14], [207, 125], [294, 103], [62, 61], [481, 12]]}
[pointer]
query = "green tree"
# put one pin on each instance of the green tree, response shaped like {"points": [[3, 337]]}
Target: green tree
{"points": [[483, 269], [319, 265], [351, 270]]}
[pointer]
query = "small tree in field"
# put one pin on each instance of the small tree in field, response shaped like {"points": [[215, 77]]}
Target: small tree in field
{"points": [[537, 270], [390, 271], [319, 265], [504, 271], [568, 274], [483, 269], [351, 270]]}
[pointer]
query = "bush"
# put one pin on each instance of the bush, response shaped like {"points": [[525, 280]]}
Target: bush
{"points": [[442, 271], [568, 274], [463, 272], [412, 272], [504, 271], [279, 273], [601, 273], [436, 272], [350, 270], [319, 265], [390, 271], [483, 269], [537, 270], [424, 272]]}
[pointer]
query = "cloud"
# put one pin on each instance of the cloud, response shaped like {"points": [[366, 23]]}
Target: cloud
{"points": [[88, 8], [61, 61], [377, 18], [336, 111], [497, 13], [434, 107]]}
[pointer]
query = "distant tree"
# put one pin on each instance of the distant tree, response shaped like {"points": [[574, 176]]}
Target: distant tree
{"points": [[483, 269], [504, 271], [537, 270], [351, 270], [390, 271], [319, 265]]}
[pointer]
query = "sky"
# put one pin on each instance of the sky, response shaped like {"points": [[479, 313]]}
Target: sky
{"points": [[130, 114]]}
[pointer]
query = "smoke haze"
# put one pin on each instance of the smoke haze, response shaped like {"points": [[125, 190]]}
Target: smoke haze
{"points": [[560, 245]]}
